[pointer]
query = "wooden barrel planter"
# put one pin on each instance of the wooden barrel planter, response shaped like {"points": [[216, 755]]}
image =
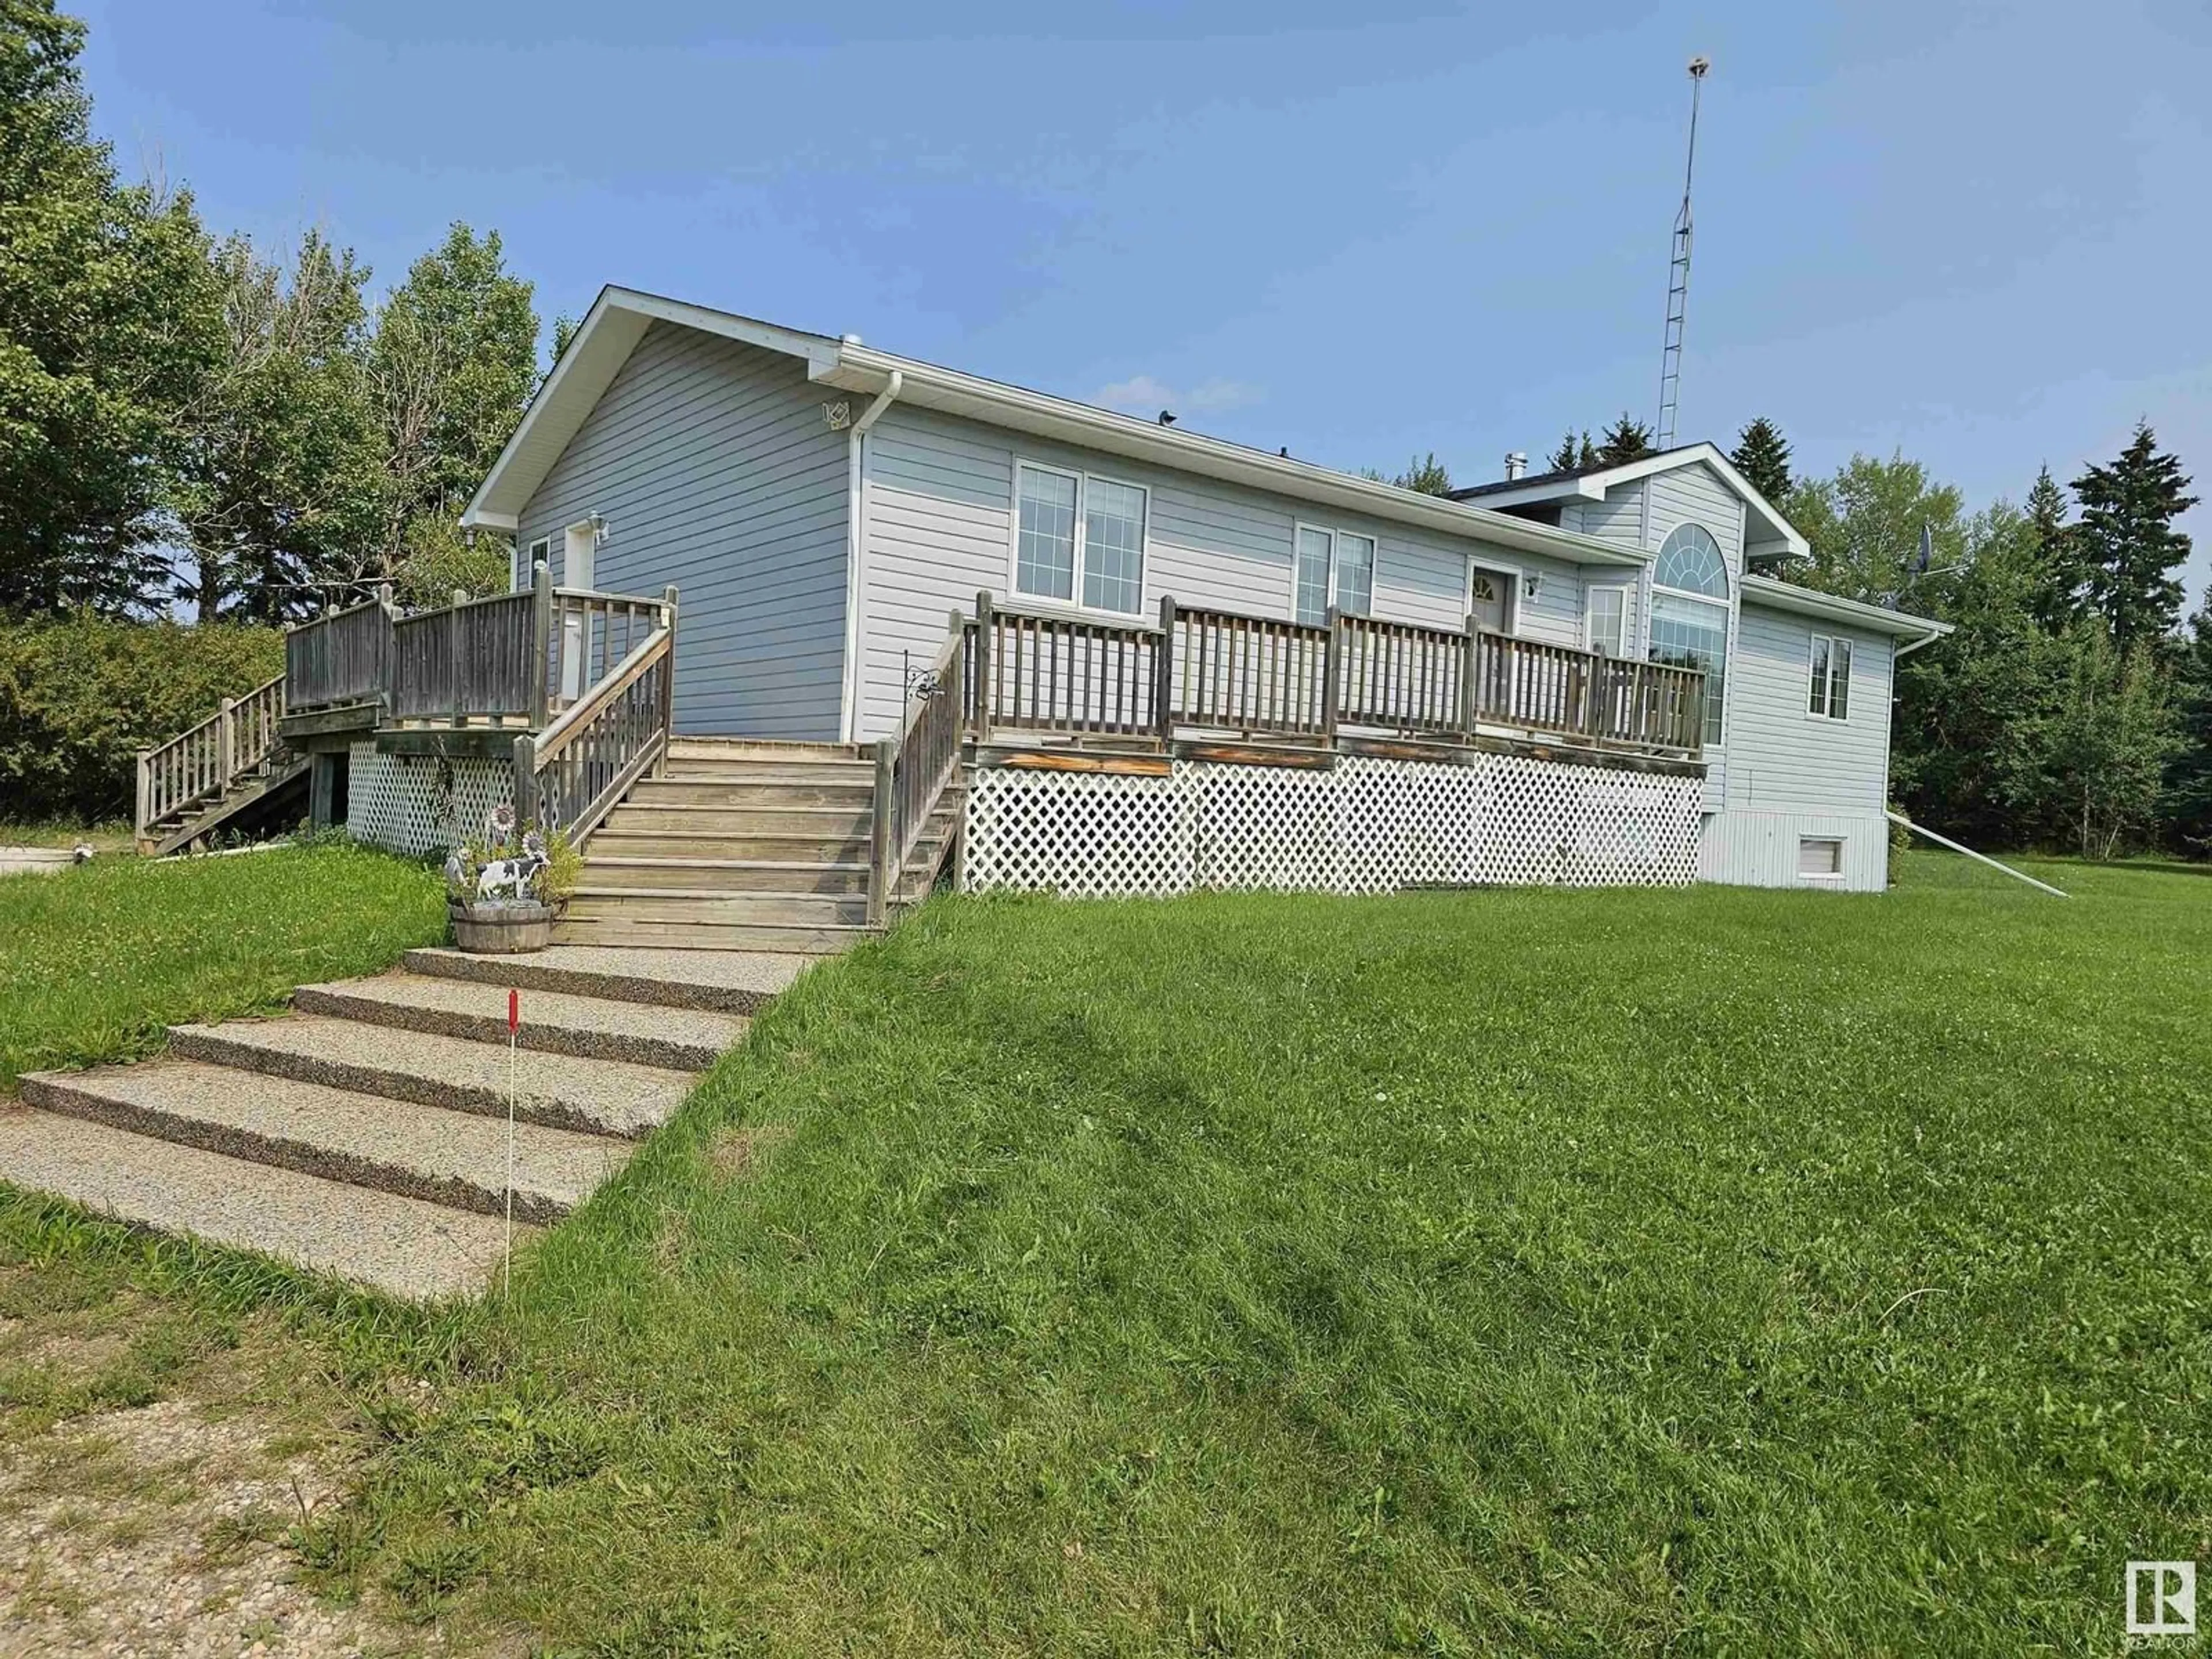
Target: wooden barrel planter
{"points": [[510, 928]]}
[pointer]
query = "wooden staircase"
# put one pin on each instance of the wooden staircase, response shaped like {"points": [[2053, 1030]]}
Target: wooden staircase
{"points": [[743, 845], [253, 800]]}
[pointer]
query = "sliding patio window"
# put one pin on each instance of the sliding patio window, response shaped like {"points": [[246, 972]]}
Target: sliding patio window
{"points": [[1080, 538]]}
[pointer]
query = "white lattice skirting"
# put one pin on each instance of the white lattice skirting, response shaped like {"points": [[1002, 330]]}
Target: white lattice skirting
{"points": [[419, 804], [1365, 826]]}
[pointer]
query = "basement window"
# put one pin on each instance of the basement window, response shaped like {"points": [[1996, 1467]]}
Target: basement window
{"points": [[1820, 857]]}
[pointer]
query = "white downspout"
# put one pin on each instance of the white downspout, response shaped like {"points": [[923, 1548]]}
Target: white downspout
{"points": [[856, 541]]}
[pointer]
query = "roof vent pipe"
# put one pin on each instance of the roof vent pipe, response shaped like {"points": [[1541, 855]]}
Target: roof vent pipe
{"points": [[1515, 465]]}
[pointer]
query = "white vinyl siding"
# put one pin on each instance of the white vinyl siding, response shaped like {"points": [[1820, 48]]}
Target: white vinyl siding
{"points": [[1778, 758], [1830, 695], [939, 527], [711, 467]]}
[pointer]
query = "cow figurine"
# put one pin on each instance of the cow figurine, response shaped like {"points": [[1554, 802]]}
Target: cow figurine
{"points": [[509, 878]]}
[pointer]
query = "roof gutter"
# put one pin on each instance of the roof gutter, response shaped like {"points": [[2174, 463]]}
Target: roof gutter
{"points": [[856, 542]]}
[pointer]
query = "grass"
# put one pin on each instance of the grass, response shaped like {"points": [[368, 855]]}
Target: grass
{"points": [[1714, 1272], [1703, 1272], [95, 961], [101, 837]]}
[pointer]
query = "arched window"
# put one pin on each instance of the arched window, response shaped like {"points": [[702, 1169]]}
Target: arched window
{"points": [[1690, 563], [1689, 613]]}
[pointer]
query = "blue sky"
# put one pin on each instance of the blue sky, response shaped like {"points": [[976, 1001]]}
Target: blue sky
{"points": [[1974, 232]]}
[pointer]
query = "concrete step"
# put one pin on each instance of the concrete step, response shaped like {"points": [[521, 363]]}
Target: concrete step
{"points": [[685, 792], [714, 938], [669, 867], [401, 1246], [733, 842], [454, 1159], [594, 899], [602, 1096], [733, 981], [553, 1021], [634, 817]]}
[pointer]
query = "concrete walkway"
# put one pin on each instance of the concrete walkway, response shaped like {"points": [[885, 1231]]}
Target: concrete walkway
{"points": [[365, 1135]]}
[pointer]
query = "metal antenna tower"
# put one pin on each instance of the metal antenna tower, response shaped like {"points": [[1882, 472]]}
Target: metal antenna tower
{"points": [[1678, 277]]}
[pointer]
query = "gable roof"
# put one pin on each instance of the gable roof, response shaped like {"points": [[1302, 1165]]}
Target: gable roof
{"points": [[1592, 482], [619, 317]]}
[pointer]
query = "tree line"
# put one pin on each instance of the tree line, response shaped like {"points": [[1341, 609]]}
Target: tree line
{"points": [[195, 419]]}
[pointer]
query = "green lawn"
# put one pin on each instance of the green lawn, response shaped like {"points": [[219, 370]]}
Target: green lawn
{"points": [[1712, 1272], [95, 961]]}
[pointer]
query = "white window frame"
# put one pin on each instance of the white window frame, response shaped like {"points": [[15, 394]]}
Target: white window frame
{"points": [[1835, 874], [1825, 714], [1299, 527], [526, 563], [1590, 591], [1083, 481], [1510, 579]]}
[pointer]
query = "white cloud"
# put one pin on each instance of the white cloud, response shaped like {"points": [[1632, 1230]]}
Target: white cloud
{"points": [[1142, 394]]}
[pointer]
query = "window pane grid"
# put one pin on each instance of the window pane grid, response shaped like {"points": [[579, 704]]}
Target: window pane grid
{"points": [[1113, 545], [1045, 562], [1355, 573], [1840, 680], [1312, 597], [1609, 620], [1690, 562], [1693, 633]]}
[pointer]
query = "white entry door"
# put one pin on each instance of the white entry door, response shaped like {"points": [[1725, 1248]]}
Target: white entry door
{"points": [[579, 552], [1490, 600]]}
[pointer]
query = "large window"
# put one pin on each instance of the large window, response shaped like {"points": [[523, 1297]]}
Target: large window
{"points": [[1074, 535], [1331, 567], [1831, 695], [1690, 614]]}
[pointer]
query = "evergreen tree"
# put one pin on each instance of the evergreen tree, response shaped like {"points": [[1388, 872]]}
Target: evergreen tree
{"points": [[1425, 475], [1762, 455], [282, 472], [1626, 440], [2129, 549], [2189, 781], [2060, 582], [109, 323], [1562, 459]]}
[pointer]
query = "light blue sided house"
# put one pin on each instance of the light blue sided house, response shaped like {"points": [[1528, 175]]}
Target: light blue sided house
{"points": [[924, 620]]}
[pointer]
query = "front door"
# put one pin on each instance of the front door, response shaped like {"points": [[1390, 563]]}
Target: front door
{"points": [[1488, 599]]}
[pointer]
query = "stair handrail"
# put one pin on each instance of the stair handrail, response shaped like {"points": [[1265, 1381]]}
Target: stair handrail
{"points": [[569, 775], [204, 760], [913, 770]]}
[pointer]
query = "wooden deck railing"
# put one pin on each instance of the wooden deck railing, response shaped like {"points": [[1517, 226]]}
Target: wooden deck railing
{"points": [[570, 775], [1215, 671], [913, 770], [197, 765], [343, 657]]}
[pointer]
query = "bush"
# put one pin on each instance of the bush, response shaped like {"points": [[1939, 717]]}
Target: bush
{"points": [[81, 695]]}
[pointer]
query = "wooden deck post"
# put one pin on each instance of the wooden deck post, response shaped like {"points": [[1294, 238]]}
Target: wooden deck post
{"points": [[454, 638], [667, 683], [987, 666], [1470, 700], [1163, 679], [1331, 669], [541, 644], [881, 877], [526, 803], [226, 744]]}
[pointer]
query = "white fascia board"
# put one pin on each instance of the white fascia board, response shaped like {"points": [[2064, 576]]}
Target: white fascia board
{"points": [[603, 343], [1016, 409], [1773, 595], [490, 520], [1593, 486]]}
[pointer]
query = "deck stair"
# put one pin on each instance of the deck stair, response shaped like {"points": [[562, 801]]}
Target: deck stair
{"points": [[253, 801], [364, 1134], [747, 845]]}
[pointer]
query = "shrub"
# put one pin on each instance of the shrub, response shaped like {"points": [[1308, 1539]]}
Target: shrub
{"points": [[81, 695]]}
